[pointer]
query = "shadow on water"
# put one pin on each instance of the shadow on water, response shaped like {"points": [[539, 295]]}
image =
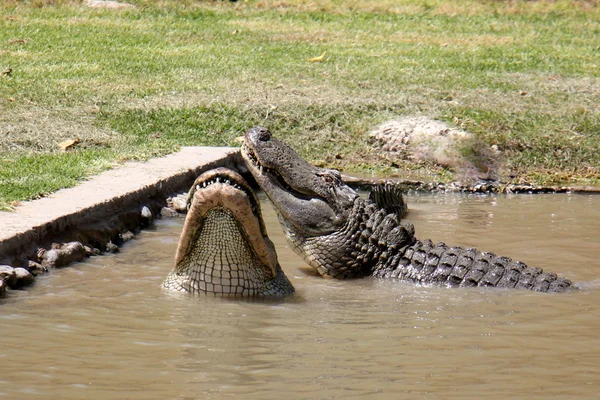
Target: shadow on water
{"points": [[106, 329]]}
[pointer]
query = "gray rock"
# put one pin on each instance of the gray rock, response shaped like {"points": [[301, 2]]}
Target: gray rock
{"points": [[421, 139], [92, 251], [146, 213], [8, 275], [36, 268], [178, 203], [63, 255], [24, 278], [112, 248], [167, 212], [427, 141], [126, 236]]}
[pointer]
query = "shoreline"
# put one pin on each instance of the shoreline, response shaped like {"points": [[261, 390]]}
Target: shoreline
{"points": [[100, 214]]}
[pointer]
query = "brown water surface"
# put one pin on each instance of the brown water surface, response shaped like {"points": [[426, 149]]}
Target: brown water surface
{"points": [[104, 329]]}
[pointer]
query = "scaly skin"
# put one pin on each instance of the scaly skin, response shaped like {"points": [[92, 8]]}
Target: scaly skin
{"points": [[224, 248], [343, 235]]}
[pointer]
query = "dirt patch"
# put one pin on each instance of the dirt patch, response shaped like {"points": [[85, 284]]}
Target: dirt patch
{"points": [[39, 130]]}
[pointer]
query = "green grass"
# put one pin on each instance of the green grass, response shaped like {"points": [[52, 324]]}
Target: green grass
{"points": [[137, 83]]}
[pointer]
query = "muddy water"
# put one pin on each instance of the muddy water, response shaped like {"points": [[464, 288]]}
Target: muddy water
{"points": [[104, 329]]}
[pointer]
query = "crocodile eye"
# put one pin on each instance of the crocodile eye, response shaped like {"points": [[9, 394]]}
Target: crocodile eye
{"points": [[328, 178], [263, 134]]}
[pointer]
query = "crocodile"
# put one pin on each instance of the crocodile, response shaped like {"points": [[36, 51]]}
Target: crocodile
{"points": [[224, 248], [343, 235]]}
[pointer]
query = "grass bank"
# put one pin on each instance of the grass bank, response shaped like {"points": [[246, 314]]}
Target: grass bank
{"points": [[140, 82]]}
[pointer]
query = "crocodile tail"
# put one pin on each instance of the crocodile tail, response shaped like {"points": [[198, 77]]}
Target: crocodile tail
{"points": [[426, 262]]}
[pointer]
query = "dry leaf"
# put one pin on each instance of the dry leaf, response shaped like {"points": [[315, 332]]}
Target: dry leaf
{"points": [[7, 72], [14, 41], [67, 144], [317, 59]]}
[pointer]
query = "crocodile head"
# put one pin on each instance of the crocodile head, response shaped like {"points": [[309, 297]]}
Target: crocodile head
{"points": [[314, 205], [310, 199], [224, 248]]}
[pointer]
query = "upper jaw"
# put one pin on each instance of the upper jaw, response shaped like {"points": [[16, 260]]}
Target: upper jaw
{"points": [[263, 175], [337, 196], [223, 176], [305, 210], [251, 160]]}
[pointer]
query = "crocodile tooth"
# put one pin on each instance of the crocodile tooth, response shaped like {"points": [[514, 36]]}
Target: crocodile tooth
{"points": [[198, 187]]}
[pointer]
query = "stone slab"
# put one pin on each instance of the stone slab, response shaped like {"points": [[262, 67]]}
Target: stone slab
{"points": [[105, 194]]}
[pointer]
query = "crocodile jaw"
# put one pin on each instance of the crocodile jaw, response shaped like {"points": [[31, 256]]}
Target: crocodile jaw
{"points": [[224, 248], [224, 196]]}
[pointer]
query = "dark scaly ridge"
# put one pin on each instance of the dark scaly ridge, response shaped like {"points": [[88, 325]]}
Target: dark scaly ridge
{"points": [[383, 246], [428, 263]]}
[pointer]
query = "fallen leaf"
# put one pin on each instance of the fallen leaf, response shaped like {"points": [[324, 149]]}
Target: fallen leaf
{"points": [[522, 93], [317, 59], [14, 41], [67, 144], [7, 72]]}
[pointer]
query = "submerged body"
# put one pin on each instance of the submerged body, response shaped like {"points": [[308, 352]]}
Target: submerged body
{"points": [[344, 236], [224, 248]]}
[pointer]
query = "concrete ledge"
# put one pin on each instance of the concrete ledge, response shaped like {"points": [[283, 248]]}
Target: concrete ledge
{"points": [[128, 187]]}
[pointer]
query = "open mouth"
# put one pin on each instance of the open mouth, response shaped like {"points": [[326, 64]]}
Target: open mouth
{"points": [[222, 202], [223, 177], [272, 174]]}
